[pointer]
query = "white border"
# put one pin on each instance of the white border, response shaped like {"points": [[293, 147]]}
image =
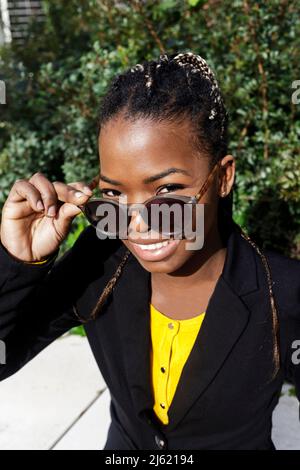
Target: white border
{"points": [[5, 20]]}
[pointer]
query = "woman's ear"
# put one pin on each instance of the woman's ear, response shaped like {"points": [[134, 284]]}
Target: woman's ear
{"points": [[227, 175]]}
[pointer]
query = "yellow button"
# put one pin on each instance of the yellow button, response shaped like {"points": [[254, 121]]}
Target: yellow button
{"points": [[171, 326]]}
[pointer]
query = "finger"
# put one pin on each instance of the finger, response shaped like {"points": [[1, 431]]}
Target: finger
{"points": [[67, 212], [23, 190], [81, 186], [64, 217], [71, 194], [47, 191]]}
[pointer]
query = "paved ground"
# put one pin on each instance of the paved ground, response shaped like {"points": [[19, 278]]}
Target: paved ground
{"points": [[59, 401]]}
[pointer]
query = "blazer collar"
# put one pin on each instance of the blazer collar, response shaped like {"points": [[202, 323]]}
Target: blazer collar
{"points": [[219, 332]]}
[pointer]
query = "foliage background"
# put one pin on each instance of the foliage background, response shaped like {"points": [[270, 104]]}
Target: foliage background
{"points": [[55, 82]]}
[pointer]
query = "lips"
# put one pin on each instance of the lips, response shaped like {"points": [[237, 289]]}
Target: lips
{"points": [[153, 246], [155, 251]]}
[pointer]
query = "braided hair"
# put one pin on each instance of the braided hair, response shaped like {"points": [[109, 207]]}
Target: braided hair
{"points": [[173, 88]]}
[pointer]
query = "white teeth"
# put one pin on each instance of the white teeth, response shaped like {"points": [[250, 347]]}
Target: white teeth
{"points": [[154, 246]]}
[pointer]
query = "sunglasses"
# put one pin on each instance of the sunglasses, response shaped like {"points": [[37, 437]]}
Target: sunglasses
{"points": [[167, 215]]}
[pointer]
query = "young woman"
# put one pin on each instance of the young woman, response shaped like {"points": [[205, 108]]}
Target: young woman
{"points": [[194, 344]]}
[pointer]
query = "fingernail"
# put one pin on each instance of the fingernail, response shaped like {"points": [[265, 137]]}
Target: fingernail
{"points": [[79, 194], [87, 190], [40, 206], [51, 211]]}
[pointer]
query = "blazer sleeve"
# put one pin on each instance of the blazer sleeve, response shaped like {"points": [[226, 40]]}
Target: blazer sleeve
{"points": [[36, 303], [285, 273]]}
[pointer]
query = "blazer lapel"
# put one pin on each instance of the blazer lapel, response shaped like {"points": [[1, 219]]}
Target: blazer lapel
{"points": [[225, 320], [132, 295]]}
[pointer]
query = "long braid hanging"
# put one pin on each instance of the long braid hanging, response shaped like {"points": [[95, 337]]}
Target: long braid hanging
{"points": [[275, 323], [106, 291], [110, 285], [193, 63]]}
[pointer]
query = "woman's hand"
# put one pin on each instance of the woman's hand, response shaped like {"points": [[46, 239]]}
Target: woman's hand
{"points": [[37, 216]]}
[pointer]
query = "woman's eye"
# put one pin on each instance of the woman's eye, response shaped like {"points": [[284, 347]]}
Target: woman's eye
{"points": [[110, 192], [164, 189], [168, 188]]}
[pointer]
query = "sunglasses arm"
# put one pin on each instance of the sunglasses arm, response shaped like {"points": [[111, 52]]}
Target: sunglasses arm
{"points": [[94, 183], [206, 183]]}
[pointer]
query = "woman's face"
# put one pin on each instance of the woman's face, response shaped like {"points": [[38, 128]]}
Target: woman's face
{"points": [[133, 158]]}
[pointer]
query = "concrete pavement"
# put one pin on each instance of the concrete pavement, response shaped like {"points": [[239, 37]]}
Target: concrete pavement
{"points": [[60, 401]]}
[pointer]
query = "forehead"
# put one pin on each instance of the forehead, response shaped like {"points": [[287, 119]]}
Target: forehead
{"points": [[146, 144]]}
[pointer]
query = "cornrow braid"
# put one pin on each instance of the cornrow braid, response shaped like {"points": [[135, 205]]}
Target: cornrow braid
{"points": [[173, 87], [197, 64]]}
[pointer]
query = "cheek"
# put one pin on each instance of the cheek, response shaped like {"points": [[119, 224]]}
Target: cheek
{"points": [[210, 218]]}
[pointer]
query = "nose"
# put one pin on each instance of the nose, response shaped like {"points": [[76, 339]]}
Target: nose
{"points": [[137, 223]]}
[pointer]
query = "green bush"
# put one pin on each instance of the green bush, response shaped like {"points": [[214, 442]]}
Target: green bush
{"points": [[55, 83]]}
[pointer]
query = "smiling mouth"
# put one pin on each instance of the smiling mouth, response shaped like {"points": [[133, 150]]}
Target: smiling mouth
{"points": [[155, 251], [151, 246]]}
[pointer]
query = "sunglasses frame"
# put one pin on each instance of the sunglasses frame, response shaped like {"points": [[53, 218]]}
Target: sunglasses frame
{"points": [[186, 199]]}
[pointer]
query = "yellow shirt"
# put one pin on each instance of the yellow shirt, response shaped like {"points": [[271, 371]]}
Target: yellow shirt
{"points": [[172, 342], [36, 262]]}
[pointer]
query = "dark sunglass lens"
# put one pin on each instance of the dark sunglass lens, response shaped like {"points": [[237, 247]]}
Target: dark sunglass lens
{"points": [[90, 210], [108, 217], [165, 215]]}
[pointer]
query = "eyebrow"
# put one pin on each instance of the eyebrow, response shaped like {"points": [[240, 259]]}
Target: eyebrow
{"points": [[150, 179]]}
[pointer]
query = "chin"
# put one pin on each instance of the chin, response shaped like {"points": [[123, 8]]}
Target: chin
{"points": [[165, 267]]}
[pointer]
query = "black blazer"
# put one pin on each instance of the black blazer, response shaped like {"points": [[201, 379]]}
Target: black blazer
{"points": [[224, 399]]}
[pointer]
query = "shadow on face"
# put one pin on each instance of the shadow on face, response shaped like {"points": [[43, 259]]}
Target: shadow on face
{"points": [[142, 158]]}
